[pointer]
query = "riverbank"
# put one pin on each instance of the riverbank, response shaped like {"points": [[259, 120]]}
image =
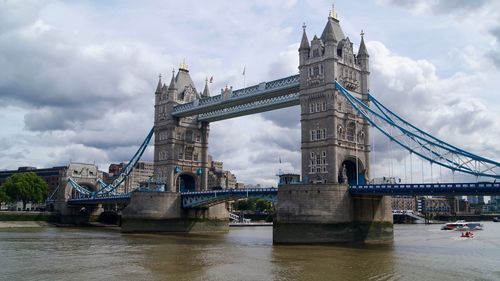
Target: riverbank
{"points": [[20, 216], [23, 224]]}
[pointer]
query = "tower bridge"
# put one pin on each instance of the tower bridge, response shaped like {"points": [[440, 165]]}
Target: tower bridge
{"points": [[333, 202]]}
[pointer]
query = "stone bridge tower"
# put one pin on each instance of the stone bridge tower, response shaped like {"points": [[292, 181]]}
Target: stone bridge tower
{"points": [[181, 144], [335, 142], [335, 150]]}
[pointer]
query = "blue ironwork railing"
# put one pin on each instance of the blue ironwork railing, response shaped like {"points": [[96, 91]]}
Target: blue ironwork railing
{"points": [[253, 93], [448, 189], [213, 197]]}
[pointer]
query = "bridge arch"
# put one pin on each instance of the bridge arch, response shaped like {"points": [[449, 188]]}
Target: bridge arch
{"points": [[90, 186], [185, 182], [352, 171]]}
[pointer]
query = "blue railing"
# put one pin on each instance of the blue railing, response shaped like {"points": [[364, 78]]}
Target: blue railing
{"points": [[264, 90], [445, 189]]}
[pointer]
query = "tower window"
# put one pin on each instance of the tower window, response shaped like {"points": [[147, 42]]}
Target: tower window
{"points": [[350, 131], [316, 71]]}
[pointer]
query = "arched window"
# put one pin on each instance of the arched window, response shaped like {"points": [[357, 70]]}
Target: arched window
{"points": [[350, 131], [340, 132], [318, 134]]}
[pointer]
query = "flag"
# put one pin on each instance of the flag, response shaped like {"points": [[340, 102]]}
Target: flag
{"points": [[280, 159], [244, 69], [211, 79]]}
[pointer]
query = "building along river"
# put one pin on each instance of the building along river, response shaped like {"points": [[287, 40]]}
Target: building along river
{"points": [[419, 252]]}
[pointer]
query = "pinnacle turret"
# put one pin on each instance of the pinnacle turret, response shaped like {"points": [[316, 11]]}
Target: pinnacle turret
{"points": [[206, 92], [362, 48], [304, 43], [158, 87], [172, 85]]}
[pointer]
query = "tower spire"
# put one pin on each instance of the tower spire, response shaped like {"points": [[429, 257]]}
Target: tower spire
{"points": [[158, 87], [172, 85], [333, 14], [304, 43], [206, 92], [362, 48]]}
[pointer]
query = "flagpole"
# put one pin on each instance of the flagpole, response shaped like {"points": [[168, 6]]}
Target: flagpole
{"points": [[244, 75]]}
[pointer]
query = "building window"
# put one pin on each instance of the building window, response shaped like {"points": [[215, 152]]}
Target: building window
{"points": [[180, 154], [323, 134], [312, 155], [323, 153], [316, 71], [318, 107], [323, 105], [311, 108], [313, 135], [189, 135], [350, 131], [318, 134], [189, 153]]}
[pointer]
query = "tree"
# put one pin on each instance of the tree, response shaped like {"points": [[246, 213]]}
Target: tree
{"points": [[3, 195], [25, 187], [263, 205]]}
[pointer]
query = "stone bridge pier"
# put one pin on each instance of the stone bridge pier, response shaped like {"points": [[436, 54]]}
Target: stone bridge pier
{"points": [[163, 212], [86, 175], [327, 213]]}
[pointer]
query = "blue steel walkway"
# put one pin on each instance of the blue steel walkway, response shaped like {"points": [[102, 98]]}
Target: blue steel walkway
{"points": [[214, 197], [443, 189]]}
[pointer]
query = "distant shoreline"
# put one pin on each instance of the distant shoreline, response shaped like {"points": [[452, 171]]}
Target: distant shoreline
{"points": [[24, 224]]}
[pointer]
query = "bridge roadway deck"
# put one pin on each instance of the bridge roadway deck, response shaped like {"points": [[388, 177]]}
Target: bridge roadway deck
{"points": [[441, 189], [212, 197]]}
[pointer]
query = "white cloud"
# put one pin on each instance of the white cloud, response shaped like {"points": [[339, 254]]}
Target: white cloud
{"points": [[76, 77]]}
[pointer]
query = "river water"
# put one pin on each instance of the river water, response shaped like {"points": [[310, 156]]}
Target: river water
{"points": [[419, 252]]}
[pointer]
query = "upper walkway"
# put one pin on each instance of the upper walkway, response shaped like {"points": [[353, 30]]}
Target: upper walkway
{"points": [[262, 97]]}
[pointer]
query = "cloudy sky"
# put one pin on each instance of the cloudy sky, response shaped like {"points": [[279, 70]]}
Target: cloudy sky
{"points": [[77, 79]]}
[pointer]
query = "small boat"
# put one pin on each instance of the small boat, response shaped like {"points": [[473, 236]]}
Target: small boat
{"points": [[467, 234], [461, 225], [496, 219]]}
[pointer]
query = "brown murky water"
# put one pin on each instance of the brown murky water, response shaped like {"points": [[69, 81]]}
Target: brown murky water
{"points": [[419, 252]]}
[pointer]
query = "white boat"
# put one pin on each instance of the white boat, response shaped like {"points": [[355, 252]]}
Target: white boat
{"points": [[462, 225]]}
